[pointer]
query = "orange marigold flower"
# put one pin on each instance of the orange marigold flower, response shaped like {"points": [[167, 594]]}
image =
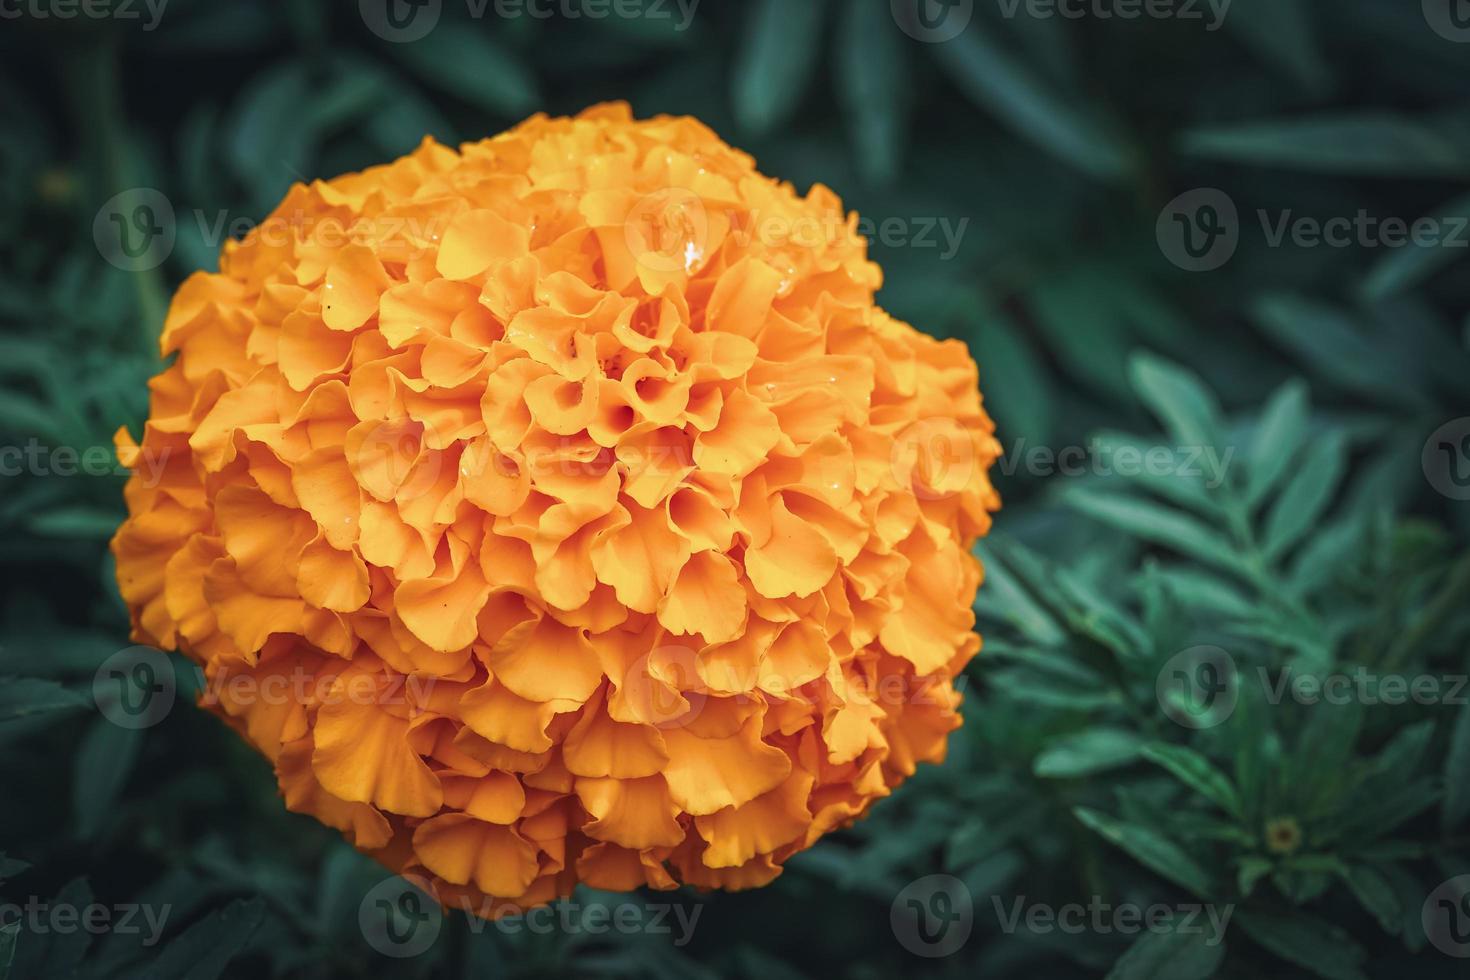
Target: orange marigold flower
{"points": [[563, 509]]}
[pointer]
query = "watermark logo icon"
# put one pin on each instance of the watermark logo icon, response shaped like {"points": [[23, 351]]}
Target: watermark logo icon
{"points": [[1446, 459], [932, 917], [135, 688], [932, 21], [398, 918], [1450, 19], [135, 230], [401, 21], [1199, 687], [1199, 230], [1446, 917]]}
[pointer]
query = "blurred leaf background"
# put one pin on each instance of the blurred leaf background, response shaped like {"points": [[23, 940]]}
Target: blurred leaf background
{"points": [[1017, 180]]}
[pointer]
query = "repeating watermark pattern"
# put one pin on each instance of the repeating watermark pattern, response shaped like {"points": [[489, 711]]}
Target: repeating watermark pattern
{"points": [[1200, 230], [138, 687], [402, 917], [137, 230], [1098, 457], [398, 918], [1199, 687], [36, 458], [150, 12], [1446, 917], [1446, 459], [406, 21], [671, 230], [1211, 12], [40, 917], [570, 917], [1363, 686], [1450, 19], [1103, 918], [932, 21], [933, 917], [135, 688]]}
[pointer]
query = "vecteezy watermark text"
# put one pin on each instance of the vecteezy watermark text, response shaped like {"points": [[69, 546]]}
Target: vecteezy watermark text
{"points": [[1101, 458], [406, 21], [1100, 917], [1213, 12], [40, 917], [1200, 230], [149, 11]]}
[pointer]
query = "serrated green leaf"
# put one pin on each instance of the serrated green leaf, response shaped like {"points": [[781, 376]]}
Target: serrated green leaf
{"points": [[1282, 428], [1375, 893], [1179, 399], [1151, 849], [776, 61], [473, 65], [1159, 525], [1087, 752], [1365, 144], [1306, 495], [104, 762], [995, 79], [872, 84], [25, 697], [1456, 766], [1305, 941], [1170, 954], [1196, 772]]}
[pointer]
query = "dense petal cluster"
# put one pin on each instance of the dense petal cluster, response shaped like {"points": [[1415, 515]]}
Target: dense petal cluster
{"points": [[563, 509]]}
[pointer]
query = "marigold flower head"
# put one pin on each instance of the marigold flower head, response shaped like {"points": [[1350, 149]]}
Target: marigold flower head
{"points": [[587, 519]]}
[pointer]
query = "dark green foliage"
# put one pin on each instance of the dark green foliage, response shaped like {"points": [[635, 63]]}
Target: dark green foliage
{"points": [[1290, 525]]}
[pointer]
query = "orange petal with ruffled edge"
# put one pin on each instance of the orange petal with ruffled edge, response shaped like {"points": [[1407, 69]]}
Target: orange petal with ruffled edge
{"points": [[476, 240], [362, 755], [599, 746], [634, 813], [708, 774], [463, 850], [707, 598]]}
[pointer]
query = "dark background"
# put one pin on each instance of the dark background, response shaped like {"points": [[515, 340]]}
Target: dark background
{"points": [[1057, 148]]}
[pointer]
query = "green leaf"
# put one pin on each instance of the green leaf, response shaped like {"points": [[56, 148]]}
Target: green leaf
{"points": [[1198, 773], [76, 522], [1364, 144], [1456, 766], [1018, 389], [1332, 345], [25, 697], [1376, 894], [1158, 524], [1319, 765], [1151, 849], [1170, 954], [995, 79], [1091, 751], [1411, 264], [203, 950], [471, 64], [1310, 943], [1282, 32], [1179, 398], [1279, 435], [1306, 495], [776, 61], [105, 760], [9, 933], [872, 85]]}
